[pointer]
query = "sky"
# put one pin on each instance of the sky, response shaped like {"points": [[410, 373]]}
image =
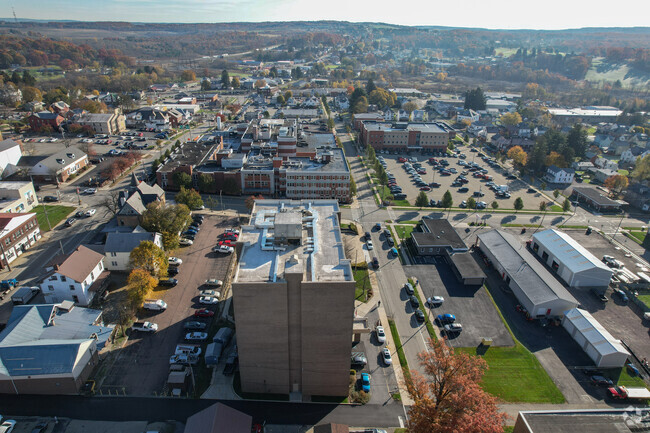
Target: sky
{"points": [[494, 14]]}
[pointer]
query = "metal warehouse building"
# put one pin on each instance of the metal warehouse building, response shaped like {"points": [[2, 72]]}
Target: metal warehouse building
{"points": [[571, 261], [602, 348], [535, 288]]}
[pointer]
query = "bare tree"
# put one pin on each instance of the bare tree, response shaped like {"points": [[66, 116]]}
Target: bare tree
{"points": [[111, 203]]}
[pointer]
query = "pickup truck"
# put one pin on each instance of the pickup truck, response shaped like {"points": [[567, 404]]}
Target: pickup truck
{"points": [[144, 327], [624, 393]]}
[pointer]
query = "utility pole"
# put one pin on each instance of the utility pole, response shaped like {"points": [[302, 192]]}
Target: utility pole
{"points": [[2, 249]]}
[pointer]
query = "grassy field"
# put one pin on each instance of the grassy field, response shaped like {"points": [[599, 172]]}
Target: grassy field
{"points": [[404, 231], [515, 375], [638, 235], [556, 208], [623, 172], [55, 214], [362, 288], [645, 299]]}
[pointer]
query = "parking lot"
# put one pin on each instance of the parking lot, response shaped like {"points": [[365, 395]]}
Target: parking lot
{"points": [[142, 365], [471, 306], [517, 188]]}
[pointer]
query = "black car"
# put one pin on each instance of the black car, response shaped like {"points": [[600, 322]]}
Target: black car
{"points": [[172, 270], [531, 190], [414, 301], [367, 235], [375, 263], [463, 189], [601, 381], [419, 315], [170, 282], [195, 325], [50, 198]]}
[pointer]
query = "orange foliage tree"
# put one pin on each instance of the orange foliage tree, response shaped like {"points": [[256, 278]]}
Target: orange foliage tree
{"points": [[449, 398]]}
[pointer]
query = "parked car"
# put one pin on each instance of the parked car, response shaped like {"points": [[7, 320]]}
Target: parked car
{"points": [[213, 282], [414, 301], [365, 382], [210, 292], [70, 221], [358, 360], [172, 270], [90, 191], [50, 198], [171, 282], [203, 313], [381, 334], [195, 324], [90, 212], [175, 261], [393, 252], [385, 356], [375, 263], [446, 318], [435, 301], [369, 245], [7, 426], [408, 288], [227, 243], [453, 328], [601, 381], [419, 315], [144, 327], [223, 249], [621, 294], [184, 242], [196, 336], [208, 300]]}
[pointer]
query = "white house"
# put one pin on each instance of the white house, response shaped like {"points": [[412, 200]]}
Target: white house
{"points": [[555, 174], [75, 277], [630, 155], [10, 153], [470, 115], [605, 163], [118, 247], [60, 166]]}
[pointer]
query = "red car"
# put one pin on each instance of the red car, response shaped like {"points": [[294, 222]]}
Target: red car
{"points": [[434, 185], [401, 159], [227, 243], [425, 188], [203, 313]]}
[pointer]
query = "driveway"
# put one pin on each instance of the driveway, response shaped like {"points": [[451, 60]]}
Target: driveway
{"points": [[141, 367], [472, 306]]}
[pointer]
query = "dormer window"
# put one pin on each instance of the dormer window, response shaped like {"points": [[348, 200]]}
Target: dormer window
{"points": [[60, 161], [70, 155]]}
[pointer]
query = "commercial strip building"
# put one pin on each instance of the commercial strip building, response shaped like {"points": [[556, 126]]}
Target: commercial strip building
{"points": [[60, 166], [596, 341], [403, 136], [103, 123], [592, 114], [596, 199], [18, 232], [576, 266], [293, 294], [535, 288], [628, 420], [50, 349]]}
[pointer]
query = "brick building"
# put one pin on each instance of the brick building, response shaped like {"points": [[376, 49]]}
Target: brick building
{"points": [[18, 232], [406, 136]]}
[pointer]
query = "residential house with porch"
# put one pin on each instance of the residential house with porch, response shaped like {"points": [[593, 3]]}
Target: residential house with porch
{"points": [[557, 175], [75, 277]]}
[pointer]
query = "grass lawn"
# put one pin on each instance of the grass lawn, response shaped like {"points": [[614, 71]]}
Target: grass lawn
{"points": [[556, 208], [362, 287], [639, 235], [404, 231], [623, 172], [622, 377], [55, 214], [401, 203], [400, 350], [515, 375], [645, 299]]}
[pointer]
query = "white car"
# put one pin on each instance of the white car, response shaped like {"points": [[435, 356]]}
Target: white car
{"points": [[235, 231], [385, 355], [196, 336], [213, 293], [453, 327], [174, 261], [435, 301], [381, 335], [208, 300], [90, 190], [7, 426], [183, 359], [223, 249], [90, 212], [369, 245], [213, 282], [185, 242]]}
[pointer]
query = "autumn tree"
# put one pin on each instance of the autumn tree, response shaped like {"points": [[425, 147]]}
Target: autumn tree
{"points": [[206, 183], [382, 98], [168, 220], [641, 170], [519, 156], [250, 201], [189, 197], [32, 94], [449, 398], [235, 83], [511, 119], [188, 75], [150, 258], [141, 283], [410, 106], [616, 183]]}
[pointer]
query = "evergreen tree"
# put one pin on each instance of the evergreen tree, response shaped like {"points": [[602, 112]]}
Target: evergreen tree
{"points": [[225, 78], [475, 99], [370, 86]]}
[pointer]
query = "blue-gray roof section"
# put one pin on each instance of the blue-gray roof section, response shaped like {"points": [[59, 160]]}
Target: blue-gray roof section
{"points": [[126, 242]]}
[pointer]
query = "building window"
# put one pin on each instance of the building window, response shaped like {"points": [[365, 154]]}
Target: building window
{"points": [[63, 278], [71, 286], [113, 254], [114, 263], [75, 299], [50, 288]]}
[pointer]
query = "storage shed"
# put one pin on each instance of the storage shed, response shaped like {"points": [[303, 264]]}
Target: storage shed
{"points": [[535, 288], [596, 341], [569, 260]]}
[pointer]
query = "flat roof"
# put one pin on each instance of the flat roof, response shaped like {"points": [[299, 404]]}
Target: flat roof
{"points": [[573, 255], [588, 420], [296, 236], [439, 232], [190, 153], [396, 127], [595, 195], [588, 111], [467, 266], [525, 270]]}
